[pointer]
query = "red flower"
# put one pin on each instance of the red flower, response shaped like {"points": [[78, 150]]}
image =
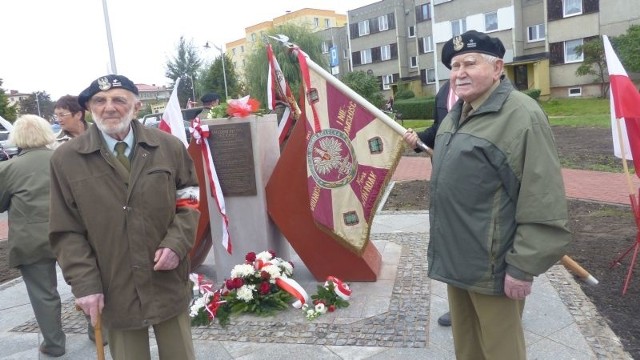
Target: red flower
{"points": [[251, 257], [273, 253], [331, 308], [265, 275], [229, 284], [242, 107], [237, 283], [264, 288]]}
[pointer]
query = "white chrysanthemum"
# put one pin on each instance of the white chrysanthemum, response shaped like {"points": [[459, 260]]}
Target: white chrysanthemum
{"points": [[286, 268], [310, 312], [197, 304], [240, 271], [274, 272], [264, 256], [245, 293], [321, 308]]}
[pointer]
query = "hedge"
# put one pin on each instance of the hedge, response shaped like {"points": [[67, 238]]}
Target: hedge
{"points": [[415, 108]]}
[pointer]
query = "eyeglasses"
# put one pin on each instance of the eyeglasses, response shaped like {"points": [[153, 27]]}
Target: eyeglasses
{"points": [[61, 115]]}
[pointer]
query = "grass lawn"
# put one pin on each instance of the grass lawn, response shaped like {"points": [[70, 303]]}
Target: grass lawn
{"points": [[561, 112]]}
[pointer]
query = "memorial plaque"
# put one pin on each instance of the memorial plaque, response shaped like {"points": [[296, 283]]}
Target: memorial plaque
{"points": [[232, 153]]}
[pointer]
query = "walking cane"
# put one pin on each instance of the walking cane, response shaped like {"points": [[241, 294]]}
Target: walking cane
{"points": [[583, 274], [98, 335]]}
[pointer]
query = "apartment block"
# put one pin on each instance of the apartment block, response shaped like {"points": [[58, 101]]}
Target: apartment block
{"points": [[400, 41]]}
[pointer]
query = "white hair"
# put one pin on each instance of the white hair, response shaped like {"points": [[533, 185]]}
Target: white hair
{"points": [[31, 131]]}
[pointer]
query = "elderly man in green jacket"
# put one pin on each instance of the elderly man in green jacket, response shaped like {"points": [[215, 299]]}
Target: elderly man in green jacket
{"points": [[123, 218], [498, 211]]}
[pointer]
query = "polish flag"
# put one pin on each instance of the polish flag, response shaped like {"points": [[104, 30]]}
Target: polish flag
{"points": [[278, 91], [625, 104], [172, 120]]}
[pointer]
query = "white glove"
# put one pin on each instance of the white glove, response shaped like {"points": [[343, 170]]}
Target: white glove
{"points": [[516, 289]]}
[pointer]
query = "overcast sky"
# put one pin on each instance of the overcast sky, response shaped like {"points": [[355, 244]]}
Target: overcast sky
{"points": [[61, 46]]}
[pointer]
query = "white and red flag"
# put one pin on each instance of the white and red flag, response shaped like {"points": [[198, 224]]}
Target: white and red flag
{"points": [[351, 154], [172, 120], [625, 104], [278, 91]]}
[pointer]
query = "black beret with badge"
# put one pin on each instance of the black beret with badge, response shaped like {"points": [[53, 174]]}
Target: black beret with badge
{"points": [[105, 83], [471, 41]]}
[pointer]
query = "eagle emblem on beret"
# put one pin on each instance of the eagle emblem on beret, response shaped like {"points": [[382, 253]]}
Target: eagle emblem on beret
{"points": [[104, 84], [457, 43]]}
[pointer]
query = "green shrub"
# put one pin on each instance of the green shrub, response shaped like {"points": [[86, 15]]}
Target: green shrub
{"points": [[415, 108], [533, 93], [405, 94]]}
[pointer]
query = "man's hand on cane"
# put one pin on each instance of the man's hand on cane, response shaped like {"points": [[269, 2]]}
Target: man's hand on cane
{"points": [[92, 305]]}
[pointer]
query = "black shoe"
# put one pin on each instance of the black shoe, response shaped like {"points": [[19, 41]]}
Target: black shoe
{"points": [[445, 319], [50, 352]]}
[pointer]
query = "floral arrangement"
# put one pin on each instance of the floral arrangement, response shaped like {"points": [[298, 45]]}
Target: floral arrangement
{"points": [[333, 295], [242, 107], [256, 287]]}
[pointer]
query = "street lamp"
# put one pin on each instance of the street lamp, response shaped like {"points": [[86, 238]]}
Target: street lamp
{"points": [[38, 103], [224, 71]]}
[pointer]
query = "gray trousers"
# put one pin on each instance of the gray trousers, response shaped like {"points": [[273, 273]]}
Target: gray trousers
{"points": [[41, 282]]}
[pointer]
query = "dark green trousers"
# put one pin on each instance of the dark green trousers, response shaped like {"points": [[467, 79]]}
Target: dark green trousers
{"points": [[42, 286]]}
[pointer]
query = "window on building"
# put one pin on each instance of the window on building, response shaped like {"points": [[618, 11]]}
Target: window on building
{"points": [[325, 47], [536, 32], [431, 76], [575, 91], [571, 7], [345, 53], [491, 21], [570, 53], [363, 28], [387, 80], [233, 51], [411, 31], [327, 23], [383, 23], [424, 12], [253, 37], [458, 27], [241, 48], [427, 44], [316, 22], [365, 56], [413, 62], [385, 52]]}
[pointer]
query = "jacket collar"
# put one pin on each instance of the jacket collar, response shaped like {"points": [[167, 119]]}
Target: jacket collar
{"points": [[95, 142]]}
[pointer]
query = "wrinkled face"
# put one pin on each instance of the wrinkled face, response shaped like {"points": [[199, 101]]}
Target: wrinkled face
{"points": [[113, 110], [472, 75], [68, 121]]}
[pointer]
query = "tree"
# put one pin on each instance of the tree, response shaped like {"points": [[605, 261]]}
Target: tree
{"points": [[256, 69], [627, 47], [594, 63], [42, 106], [367, 86], [212, 79], [6, 111], [184, 65]]}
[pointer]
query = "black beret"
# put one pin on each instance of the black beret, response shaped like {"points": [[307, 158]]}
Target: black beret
{"points": [[471, 41], [210, 97], [105, 83]]}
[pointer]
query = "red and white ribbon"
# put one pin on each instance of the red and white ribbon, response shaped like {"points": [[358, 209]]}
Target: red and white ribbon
{"points": [[200, 132], [292, 287], [341, 288]]}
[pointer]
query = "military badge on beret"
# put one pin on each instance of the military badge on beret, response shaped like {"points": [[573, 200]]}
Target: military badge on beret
{"points": [[457, 43]]}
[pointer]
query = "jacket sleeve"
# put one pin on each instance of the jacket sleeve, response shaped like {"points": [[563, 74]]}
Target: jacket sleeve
{"points": [[67, 235], [181, 234], [542, 232]]}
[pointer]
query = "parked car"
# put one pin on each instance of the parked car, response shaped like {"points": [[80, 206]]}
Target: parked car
{"points": [[153, 120], [8, 152]]}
